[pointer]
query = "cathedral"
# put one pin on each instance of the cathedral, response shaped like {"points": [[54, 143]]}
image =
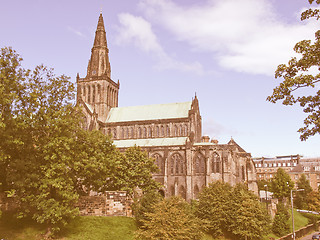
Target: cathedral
{"points": [[169, 133]]}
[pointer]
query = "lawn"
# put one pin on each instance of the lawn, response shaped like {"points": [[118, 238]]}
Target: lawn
{"points": [[86, 227]]}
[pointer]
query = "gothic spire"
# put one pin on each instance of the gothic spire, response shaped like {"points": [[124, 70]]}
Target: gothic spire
{"points": [[99, 64]]}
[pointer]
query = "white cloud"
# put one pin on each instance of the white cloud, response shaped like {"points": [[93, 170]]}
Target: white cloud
{"points": [[75, 31], [138, 31], [245, 35]]}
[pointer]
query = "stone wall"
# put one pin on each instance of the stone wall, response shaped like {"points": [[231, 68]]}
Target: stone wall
{"points": [[107, 204]]}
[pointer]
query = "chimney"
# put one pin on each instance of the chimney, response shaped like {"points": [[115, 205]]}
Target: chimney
{"points": [[205, 139]]}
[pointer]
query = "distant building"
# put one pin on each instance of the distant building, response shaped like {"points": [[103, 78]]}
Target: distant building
{"points": [[311, 168], [267, 167], [169, 133]]}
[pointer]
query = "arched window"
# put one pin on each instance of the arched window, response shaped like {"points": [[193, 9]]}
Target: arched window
{"points": [[139, 132], [93, 94], [99, 93], [216, 163], [186, 130], [144, 132], [126, 133], [131, 132], [168, 131], [176, 131], [243, 173], [157, 131], [115, 133], [149, 132], [200, 164], [162, 131], [159, 162], [89, 94], [177, 164], [181, 130], [122, 133]]}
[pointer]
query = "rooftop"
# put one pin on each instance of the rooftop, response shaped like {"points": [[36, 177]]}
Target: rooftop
{"points": [[149, 112]]}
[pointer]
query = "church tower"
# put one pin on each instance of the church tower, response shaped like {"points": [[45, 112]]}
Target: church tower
{"points": [[97, 91]]}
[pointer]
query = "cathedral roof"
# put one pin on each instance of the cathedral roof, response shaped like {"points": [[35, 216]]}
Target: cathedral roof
{"points": [[151, 142], [149, 112]]}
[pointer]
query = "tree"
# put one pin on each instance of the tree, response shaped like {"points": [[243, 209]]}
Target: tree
{"points": [[171, 219], [313, 201], [297, 76], [145, 205], [248, 217], [262, 184], [214, 208], [281, 184], [134, 169], [300, 200], [280, 225]]}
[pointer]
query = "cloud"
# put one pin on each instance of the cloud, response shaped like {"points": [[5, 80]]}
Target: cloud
{"points": [[75, 31], [216, 130], [137, 30], [245, 36]]}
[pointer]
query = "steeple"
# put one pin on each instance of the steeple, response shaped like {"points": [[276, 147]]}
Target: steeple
{"points": [[99, 64]]}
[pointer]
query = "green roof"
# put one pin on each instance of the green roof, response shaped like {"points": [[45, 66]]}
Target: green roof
{"points": [[150, 142], [149, 112]]}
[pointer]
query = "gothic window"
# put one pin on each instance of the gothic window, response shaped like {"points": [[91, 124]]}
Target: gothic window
{"points": [[181, 130], [196, 191], [99, 93], [172, 190], [122, 133], [172, 166], [144, 132], [159, 162], [84, 91], [93, 94], [185, 130], [176, 134], [139, 132], [200, 164], [115, 133], [216, 163], [109, 131], [157, 131], [177, 164], [89, 94], [149, 132], [168, 131]]}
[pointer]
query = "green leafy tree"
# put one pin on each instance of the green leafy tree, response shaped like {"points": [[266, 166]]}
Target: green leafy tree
{"points": [[280, 225], [262, 184], [214, 208], [248, 217], [297, 76], [145, 205], [313, 201], [281, 184], [300, 200], [46, 158], [171, 219], [134, 169]]}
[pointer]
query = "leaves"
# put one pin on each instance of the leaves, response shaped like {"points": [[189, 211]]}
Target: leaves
{"points": [[281, 184], [297, 76]]}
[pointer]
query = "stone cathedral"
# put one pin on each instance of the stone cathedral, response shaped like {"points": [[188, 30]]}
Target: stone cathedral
{"points": [[169, 133]]}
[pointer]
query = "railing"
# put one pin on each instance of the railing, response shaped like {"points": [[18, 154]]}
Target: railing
{"points": [[302, 231]]}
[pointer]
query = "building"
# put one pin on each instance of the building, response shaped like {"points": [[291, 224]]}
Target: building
{"points": [[267, 167], [169, 133], [309, 167]]}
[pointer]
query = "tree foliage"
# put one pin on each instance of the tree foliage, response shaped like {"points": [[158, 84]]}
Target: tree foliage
{"points": [[300, 200], [280, 225], [171, 218], [145, 205], [46, 159], [297, 76], [281, 184], [313, 201], [233, 211]]}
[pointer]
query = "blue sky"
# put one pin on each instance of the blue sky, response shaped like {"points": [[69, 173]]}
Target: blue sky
{"points": [[164, 51]]}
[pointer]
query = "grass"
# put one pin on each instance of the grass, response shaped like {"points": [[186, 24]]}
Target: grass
{"points": [[84, 227]]}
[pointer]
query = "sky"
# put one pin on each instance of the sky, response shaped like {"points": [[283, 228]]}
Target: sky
{"points": [[164, 51]]}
